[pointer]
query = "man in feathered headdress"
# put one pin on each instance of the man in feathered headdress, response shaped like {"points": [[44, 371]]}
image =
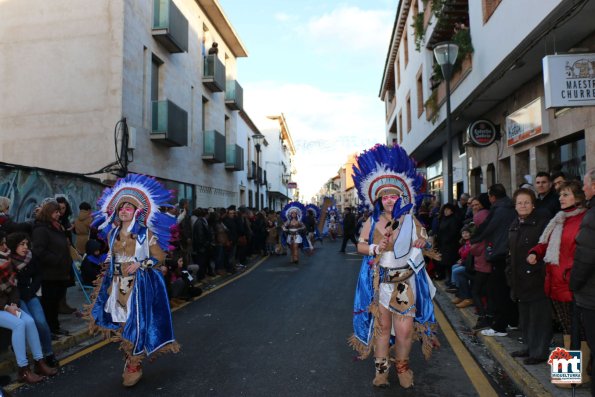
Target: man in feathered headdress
{"points": [[131, 302], [394, 292]]}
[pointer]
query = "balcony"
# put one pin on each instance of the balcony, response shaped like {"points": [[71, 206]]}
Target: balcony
{"points": [[213, 147], [252, 170], [214, 74], [438, 97], [169, 124], [170, 27], [235, 158], [234, 95]]}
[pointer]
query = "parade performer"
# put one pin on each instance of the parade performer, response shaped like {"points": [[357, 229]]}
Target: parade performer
{"points": [[394, 290], [130, 300], [293, 227], [311, 222]]}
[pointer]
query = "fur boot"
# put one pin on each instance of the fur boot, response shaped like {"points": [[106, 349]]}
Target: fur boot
{"points": [[133, 371], [382, 365], [404, 373]]}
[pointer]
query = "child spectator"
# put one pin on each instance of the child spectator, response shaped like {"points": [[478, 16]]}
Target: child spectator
{"points": [[460, 278], [92, 262]]}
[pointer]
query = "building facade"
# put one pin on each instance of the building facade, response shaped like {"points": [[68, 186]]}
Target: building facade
{"points": [[497, 89], [127, 85]]}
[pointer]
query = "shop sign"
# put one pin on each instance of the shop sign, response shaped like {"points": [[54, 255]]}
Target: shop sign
{"points": [[292, 185], [434, 170], [569, 80], [482, 133], [526, 123]]}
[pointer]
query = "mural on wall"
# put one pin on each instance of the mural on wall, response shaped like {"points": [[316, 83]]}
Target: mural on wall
{"points": [[26, 188]]}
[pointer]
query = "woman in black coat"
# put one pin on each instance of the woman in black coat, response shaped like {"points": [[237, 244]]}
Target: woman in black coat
{"points": [[51, 250], [447, 241], [527, 281]]}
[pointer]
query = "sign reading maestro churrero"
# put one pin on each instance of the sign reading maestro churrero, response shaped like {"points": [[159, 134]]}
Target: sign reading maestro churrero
{"points": [[569, 80]]}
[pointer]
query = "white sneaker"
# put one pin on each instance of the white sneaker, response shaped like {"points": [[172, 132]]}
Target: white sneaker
{"points": [[491, 332], [512, 328]]}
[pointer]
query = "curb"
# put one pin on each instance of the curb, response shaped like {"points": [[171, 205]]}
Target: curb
{"points": [[526, 382]]}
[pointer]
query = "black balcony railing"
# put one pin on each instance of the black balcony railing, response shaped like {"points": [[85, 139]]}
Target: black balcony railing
{"points": [[169, 124], [170, 27]]}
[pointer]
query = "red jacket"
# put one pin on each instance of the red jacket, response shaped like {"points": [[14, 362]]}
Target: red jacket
{"points": [[557, 277]]}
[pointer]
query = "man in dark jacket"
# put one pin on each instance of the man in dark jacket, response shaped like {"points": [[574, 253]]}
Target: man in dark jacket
{"points": [[349, 228], [495, 235], [547, 198], [582, 275], [201, 242]]}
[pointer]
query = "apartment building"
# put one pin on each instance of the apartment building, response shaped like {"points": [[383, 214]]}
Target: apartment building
{"points": [[127, 85], [506, 121]]}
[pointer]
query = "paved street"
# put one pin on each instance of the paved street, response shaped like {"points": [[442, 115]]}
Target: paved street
{"points": [[277, 330]]}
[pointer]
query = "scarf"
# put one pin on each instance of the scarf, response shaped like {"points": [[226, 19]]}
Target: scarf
{"points": [[7, 275], [552, 235], [20, 262]]}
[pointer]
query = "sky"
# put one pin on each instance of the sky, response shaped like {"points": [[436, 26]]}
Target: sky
{"points": [[320, 63]]}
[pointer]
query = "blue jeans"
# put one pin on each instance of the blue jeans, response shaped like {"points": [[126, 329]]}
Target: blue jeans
{"points": [[34, 309], [463, 282], [23, 330], [456, 268]]}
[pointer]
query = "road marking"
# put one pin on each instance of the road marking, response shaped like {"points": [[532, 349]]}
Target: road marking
{"points": [[105, 342], [474, 372]]}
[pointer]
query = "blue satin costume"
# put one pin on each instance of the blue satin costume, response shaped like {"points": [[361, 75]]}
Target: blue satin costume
{"points": [[149, 325]]}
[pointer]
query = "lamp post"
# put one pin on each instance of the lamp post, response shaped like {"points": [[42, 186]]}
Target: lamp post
{"points": [[257, 140], [446, 56]]}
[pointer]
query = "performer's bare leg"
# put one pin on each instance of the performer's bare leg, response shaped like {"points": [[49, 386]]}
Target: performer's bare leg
{"points": [[403, 339], [381, 348]]}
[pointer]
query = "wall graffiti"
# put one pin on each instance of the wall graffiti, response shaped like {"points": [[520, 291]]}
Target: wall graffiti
{"points": [[27, 187]]}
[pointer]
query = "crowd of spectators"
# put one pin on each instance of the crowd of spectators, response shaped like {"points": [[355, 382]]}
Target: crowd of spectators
{"points": [[524, 262]]}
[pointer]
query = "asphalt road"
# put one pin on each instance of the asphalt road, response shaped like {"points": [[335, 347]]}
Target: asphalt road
{"points": [[279, 330]]}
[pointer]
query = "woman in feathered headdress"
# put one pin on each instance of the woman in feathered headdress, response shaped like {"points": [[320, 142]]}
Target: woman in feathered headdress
{"points": [[293, 227], [393, 290], [131, 301]]}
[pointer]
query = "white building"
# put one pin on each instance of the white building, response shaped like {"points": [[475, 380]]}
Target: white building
{"points": [[498, 80], [278, 160], [83, 74]]}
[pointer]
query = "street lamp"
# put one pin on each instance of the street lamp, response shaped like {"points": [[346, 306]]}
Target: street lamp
{"points": [[257, 140], [446, 56]]}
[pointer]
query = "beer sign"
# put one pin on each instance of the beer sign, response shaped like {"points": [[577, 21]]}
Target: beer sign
{"points": [[482, 133]]}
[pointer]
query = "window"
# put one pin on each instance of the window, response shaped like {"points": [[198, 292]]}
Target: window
{"points": [[406, 46], [489, 6], [408, 112], [461, 142], [155, 64], [205, 103], [420, 93], [398, 70], [401, 126]]}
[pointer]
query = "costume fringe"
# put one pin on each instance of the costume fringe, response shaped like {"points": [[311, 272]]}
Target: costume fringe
{"points": [[116, 335], [357, 345], [426, 334]]}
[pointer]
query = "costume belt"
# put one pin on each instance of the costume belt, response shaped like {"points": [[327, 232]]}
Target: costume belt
{"points": [[119, 266], [391, 275]]}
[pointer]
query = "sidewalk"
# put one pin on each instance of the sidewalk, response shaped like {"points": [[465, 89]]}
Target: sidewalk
{"points": [[532, 380]]}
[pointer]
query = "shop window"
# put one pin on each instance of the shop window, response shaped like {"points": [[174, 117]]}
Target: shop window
{"points": [[476, 179], [491, 175], [569, 156]]}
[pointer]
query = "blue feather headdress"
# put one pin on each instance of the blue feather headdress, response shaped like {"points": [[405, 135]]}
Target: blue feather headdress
{"points": [[385, 167], [147, 195], [316, 210], [293, 206]]}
